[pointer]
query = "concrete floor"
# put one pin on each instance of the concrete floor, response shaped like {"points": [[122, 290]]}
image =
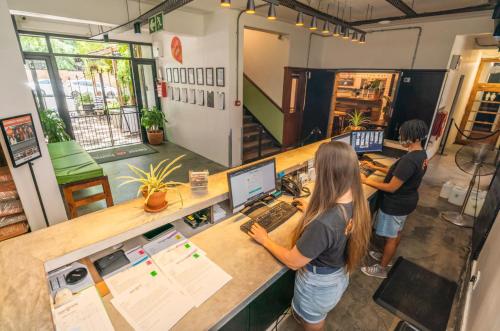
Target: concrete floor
{"points": [[427, 240], [167, 150]]}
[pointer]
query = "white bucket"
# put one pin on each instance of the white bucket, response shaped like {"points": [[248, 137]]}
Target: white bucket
{"points": [[446, 189], [474, 206], [457, 195]]}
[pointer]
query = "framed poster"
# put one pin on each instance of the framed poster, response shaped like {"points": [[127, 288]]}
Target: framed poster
{"points": [[200, 98], [169, 75], [183, 76], [221, 101], [184, 95], [170, 92], [191, 79], [220, 79], [175, 74], [210, 77], [200, 77], [210, 99], [177, 94], [192, 96], [20, 137]]}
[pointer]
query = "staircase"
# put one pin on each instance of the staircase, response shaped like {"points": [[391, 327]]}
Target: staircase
{"points": [[257, 142]]}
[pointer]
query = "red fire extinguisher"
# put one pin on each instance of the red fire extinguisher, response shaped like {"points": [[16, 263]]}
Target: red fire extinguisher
{"points": [[161, 87]]}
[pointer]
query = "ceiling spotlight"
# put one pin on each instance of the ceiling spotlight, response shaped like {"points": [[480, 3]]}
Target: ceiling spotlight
{"points": [[137, 27], [225, 3], [300, 19], [384, 22], [314, 24], [271, 14], [105, 37], [355, 36], [345, 35], [250, 7], [326, 28], [362, 39], [337, 30]]}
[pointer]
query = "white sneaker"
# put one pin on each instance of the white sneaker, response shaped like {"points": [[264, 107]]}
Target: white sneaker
{"points": [[377, 256], [375, 270]]}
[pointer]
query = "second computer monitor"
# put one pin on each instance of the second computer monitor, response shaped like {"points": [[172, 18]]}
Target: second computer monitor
{"points": [[367, 141], [251, 183], [345, 137]]}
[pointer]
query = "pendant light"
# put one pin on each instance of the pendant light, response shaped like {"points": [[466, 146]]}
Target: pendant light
{"points": [[137, 27], [105, 37], [271, 14], [300, 19], [337, 30], [362, 39], [345, 35], [225, 3], [355, 36], [314, 24], [250, 7], [326, 28]]}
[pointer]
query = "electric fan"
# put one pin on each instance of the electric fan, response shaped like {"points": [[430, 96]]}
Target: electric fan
{"points": [[477, 160]]}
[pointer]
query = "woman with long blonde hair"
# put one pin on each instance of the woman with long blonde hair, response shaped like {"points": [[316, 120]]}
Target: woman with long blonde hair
{"points": [[331, 237]]}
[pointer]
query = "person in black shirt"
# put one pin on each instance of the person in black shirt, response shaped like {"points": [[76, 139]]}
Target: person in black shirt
{"points": [[331, 237], [399, 193]]}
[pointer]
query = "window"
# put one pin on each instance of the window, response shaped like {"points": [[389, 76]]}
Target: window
{"points": [[142, 51], [88, 47], [33, 43]]}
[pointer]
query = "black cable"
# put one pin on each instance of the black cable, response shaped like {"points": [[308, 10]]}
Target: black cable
{"points": [[469, 137]]}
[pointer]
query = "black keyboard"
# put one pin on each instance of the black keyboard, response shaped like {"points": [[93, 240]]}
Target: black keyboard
{"points": [[366, 171], [271, 218]]}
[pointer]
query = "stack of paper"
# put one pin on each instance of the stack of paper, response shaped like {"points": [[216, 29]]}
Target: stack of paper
{"points": [[85, 312]]}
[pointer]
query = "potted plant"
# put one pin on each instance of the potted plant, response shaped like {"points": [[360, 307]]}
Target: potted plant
{"points": [[154, 186], [356, 121], [53, 126], [152, 119]]}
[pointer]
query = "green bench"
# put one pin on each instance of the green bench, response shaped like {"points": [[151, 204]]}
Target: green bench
{"points": [[76, 170]]}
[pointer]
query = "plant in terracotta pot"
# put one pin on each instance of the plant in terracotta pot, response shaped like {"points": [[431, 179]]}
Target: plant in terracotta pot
{"points": [[153, 119], [154, 184], [356, 121]]}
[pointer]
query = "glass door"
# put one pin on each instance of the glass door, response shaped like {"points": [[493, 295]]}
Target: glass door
{"points": [[145, 84], [42, 80]]}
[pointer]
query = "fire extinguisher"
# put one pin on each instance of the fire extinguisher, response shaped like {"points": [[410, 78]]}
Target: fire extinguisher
{"points": [[161, 87]]}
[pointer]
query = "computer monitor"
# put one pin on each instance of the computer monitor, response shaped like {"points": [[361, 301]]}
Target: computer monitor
{"points": [[367, 141], [251, 183], [345, 137]]}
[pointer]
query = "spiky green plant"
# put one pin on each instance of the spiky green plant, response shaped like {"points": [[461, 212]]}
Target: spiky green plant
{"points": [[154, 180], [357, 119]]}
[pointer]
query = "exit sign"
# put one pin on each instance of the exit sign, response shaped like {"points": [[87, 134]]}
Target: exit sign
{"points": [[156, 23]]}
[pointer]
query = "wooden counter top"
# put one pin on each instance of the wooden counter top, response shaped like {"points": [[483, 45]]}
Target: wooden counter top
{"points": [[24, 295]]}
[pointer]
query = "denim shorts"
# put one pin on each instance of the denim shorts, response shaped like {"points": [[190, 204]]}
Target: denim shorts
{"points": [[315, 295], [389, 226]]}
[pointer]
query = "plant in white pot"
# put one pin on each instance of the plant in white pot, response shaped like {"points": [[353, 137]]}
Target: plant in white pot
{"points": [[153, 120]]}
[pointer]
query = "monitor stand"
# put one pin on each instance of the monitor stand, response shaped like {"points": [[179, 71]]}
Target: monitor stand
{"points": [[254, 206]]}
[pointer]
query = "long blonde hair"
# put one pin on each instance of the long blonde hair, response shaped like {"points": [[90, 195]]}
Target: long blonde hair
{"points": [[337, 172]]}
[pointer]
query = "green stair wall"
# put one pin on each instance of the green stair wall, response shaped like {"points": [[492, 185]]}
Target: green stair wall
{"points": [[263, 109]]}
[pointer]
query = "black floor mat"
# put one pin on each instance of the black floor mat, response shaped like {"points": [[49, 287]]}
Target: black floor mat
{"points": [[121, 152], [417, 295]]}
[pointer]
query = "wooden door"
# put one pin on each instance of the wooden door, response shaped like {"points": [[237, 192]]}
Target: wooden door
{"points": [[294, 91], [482, 115]]}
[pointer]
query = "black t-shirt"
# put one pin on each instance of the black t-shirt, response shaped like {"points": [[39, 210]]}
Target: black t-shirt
{"points": [[324, 240], [410, 169]]}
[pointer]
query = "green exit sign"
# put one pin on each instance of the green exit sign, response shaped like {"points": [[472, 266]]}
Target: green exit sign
{"points": [[156, 23]]}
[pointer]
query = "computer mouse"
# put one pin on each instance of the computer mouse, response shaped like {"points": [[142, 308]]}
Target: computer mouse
{"points": [[297, 203], [75, 276]]}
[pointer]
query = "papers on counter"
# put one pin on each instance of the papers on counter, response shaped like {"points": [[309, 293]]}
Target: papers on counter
{"points": [[138, 274], [85, 312], [163, 242], [154, 303]]}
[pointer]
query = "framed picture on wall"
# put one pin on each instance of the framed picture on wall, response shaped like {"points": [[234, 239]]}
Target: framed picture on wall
{"points": [[210, 99], [219, 73], [175, 74], [170, 92], [168, 75], [21, 140], [200, 77], [184, 95], [210, 77], [191, 79], [221, 101], [200, 98], [183, 76], [177, 94], [192, 96]]}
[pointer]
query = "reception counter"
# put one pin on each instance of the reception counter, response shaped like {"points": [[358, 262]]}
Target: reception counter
{"points": [[25, 261]]}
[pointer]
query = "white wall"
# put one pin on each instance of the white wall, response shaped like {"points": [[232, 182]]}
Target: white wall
{"points": [[394, 49], [17, 99], [199, 128], [265, 56]]}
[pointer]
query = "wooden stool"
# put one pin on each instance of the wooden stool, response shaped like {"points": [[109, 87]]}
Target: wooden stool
{"points": [[70, 188]]}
